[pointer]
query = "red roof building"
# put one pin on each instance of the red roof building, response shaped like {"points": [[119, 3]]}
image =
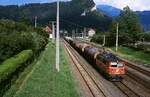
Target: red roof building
{"points": [[48, 29]]}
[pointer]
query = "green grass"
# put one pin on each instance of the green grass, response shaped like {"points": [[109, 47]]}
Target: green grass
{"points": [[44, 81], [133, 54]]}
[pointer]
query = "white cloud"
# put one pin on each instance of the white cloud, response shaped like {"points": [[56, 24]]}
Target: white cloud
{"points": [[135, 5]]}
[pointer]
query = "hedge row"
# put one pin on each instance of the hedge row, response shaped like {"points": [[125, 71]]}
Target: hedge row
{"points": [[11, 64], [10, 69]]}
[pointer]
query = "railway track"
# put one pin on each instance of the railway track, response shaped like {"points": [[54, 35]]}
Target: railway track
{"points": [[143, 82], [125, 89], [93, 86], [133, 65]]}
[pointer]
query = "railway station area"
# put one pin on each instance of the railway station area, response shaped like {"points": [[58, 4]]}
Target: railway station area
{"points": [[74, 48]]}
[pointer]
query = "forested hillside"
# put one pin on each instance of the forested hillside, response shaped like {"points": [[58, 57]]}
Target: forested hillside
{"points": [[69, 12], [109, 10]]}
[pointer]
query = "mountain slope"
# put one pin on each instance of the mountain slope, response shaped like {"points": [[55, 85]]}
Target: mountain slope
{"points": [[109, 10], [145, 19], [70, 14]]}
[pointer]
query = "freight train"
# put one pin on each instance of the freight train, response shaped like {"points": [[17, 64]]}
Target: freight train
{"points": [[106, 63]]}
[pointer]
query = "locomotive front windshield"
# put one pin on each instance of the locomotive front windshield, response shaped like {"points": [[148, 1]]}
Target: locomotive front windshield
{"points": [[113, 64], [120, 65]]}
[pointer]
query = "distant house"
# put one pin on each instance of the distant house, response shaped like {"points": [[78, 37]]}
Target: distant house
{"points": [[91, 32], [48, 30]]}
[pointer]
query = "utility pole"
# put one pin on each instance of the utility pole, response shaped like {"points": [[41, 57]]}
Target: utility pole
{"points": [[104, 40], [84, 33], [57, 39], [73, 33], [76, 31], [117, 37], [35, 21], [53, 31]]}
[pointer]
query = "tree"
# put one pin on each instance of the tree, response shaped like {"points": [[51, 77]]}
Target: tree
{"points": [[129, 24], [25, 20], [16, 36]]}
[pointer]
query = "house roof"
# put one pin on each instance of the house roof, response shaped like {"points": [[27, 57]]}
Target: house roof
{"points": [[47, 29]]}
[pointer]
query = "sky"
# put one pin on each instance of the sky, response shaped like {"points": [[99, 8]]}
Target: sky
{"points": [[136, 5]]}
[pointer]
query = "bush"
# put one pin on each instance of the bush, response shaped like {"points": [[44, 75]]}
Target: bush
{"points": [[98, 38], [144, 37], [110, 38], [140, 47], [11, 64]]}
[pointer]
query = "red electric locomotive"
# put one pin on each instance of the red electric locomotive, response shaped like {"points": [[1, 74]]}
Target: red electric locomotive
{"points": [[111, 65]]}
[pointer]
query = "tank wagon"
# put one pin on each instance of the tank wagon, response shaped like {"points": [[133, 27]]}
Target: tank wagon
{"points": [[106, 63]]}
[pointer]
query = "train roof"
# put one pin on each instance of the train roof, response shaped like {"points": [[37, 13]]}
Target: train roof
{"points": [[91, 50], [109, 57]]}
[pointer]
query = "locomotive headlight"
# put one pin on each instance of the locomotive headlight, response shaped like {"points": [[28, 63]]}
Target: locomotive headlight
{"points": [[117, 70]]}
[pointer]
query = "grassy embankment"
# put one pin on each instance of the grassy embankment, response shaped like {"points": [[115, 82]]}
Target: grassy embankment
{"points": [[133, 55], [44, 81]]}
